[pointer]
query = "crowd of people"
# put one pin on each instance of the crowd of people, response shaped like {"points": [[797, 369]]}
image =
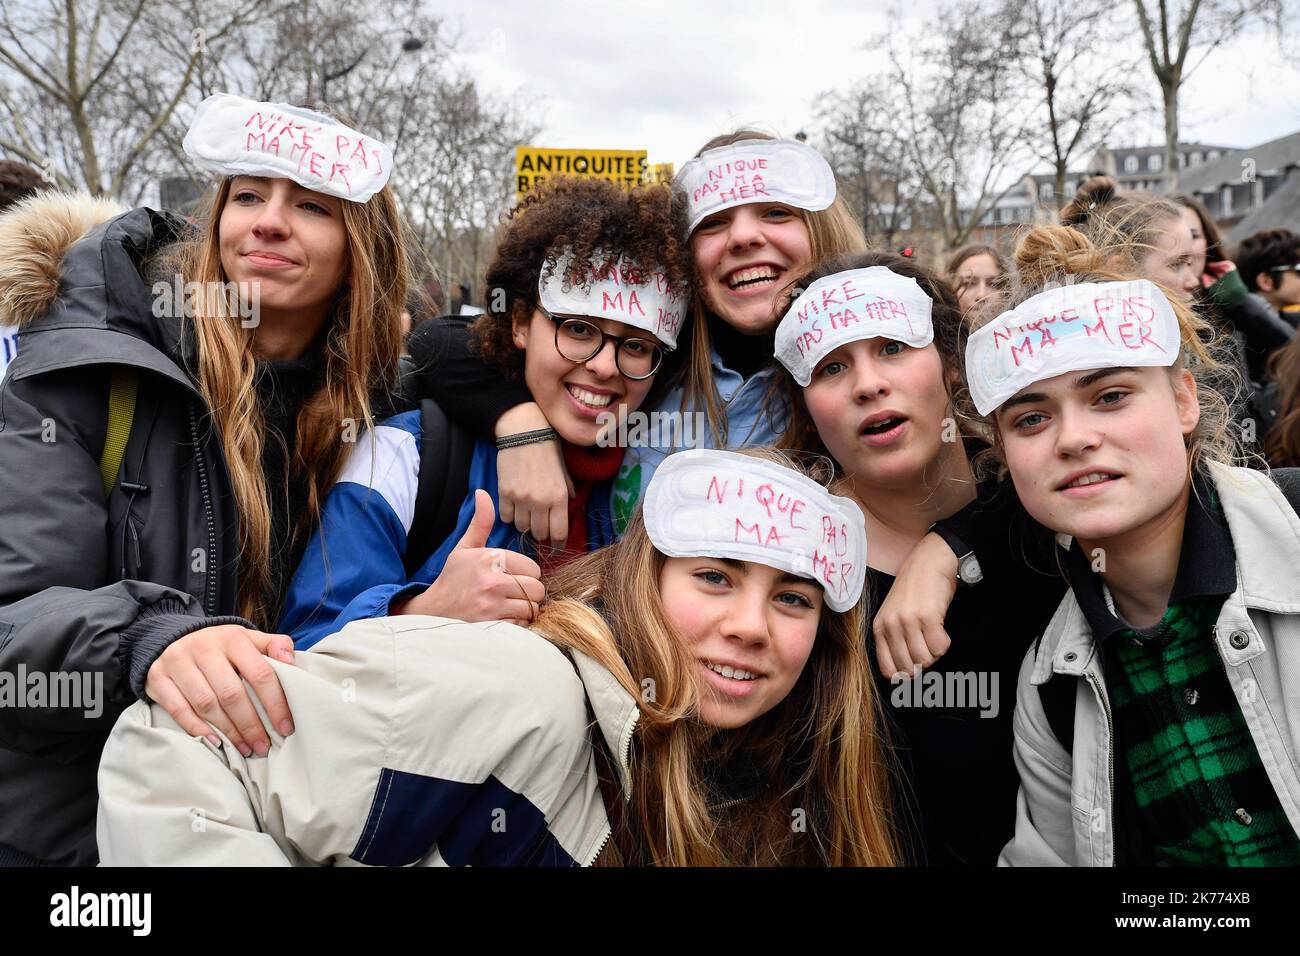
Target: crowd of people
{"points": [[987, 564]]}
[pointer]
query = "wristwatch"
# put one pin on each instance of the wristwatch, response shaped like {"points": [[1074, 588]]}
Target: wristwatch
{"points": [[968, 565]]}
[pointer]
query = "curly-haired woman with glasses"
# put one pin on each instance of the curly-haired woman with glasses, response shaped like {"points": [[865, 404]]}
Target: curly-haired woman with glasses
{"points": [[591, 294]]}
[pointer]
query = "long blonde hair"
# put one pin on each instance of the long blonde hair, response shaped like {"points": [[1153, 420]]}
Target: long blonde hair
{"points": [[819, 751], [1062, 255], [362, 349], [833, 231]]}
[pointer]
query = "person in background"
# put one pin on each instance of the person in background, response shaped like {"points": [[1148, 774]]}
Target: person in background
{"points": [[1225, 292], [17, 182], [1150, 236], [1148, 232], [1270, 265], [977, 273]]}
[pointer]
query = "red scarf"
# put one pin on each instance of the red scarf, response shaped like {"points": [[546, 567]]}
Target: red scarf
{"points": [[587, 466]]}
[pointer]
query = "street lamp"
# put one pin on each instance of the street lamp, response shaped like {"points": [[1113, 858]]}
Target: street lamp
{"points": [[409, 45]]}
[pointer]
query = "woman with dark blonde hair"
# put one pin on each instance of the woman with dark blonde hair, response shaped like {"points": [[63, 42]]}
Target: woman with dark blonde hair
{"points": [[689, 696], [760, 211], [182, 404], [977, 273], [873, 349], [1084, 300], [1151, 714]]}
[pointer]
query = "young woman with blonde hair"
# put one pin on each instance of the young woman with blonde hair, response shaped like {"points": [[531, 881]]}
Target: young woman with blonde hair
{"points": [[687, 697], [760, 211], [911, 618], [1152, 712], [179, 411]]}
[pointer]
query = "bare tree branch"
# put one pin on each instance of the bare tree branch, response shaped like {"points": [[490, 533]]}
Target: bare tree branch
{"points": [[118, 47]]}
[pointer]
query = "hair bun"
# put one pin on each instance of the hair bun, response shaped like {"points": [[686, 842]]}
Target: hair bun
{"points": [[1095, 193], [1050, 253]]}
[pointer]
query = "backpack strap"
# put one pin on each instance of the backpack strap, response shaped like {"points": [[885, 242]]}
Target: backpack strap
{"points": [[1057, 695], [445, 453], [123, 386]]}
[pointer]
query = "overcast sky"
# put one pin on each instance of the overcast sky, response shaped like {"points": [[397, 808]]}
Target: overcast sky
{"points": [[666, 76]]}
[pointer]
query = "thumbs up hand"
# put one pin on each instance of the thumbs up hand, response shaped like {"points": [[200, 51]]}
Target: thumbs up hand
{"points": [[480, 526], [479, 583]]}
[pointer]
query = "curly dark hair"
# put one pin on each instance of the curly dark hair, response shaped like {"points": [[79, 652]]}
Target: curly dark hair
{"points": [[585, 215], [945, 315]]}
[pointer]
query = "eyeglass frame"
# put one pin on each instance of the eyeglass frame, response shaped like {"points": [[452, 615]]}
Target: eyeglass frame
{"points": [[1293, 267], [618, 341]]}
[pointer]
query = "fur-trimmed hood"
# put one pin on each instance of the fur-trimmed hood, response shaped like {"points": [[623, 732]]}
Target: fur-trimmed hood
{"points": [[34, 236], [77, 278]]}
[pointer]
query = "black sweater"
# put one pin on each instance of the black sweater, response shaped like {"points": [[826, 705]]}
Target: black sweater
{"points": [[955, 777], [447, 370], [282, 387]]}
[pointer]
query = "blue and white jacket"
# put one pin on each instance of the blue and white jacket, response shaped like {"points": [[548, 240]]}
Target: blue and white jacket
{"points": [[354, 567], [419, 740]]}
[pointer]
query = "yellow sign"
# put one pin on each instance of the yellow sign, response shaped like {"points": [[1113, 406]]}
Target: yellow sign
{"points": [[660, 173], [627, 167]]}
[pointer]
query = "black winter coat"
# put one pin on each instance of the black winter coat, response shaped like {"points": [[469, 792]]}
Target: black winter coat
{"points": [[91, 587]]}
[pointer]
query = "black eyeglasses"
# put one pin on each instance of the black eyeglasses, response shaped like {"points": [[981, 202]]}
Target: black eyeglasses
{"points": [[581, 340]]}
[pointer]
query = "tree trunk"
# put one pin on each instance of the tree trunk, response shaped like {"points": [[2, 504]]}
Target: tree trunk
{"points": [[1169, 87], [89, 156]]}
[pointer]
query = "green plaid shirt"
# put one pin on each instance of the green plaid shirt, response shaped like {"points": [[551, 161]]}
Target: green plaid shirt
{"points": [[1184, 758], [1203, 796]]}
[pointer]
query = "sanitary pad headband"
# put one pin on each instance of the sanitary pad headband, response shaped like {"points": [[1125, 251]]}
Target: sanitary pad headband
{"points": [[755, 170], [233, 136], [719, 504], [847, 306], [1072, 328], [625, 292]]}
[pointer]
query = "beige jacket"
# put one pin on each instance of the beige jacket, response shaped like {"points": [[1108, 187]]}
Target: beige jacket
{"points": [[418, 740]]}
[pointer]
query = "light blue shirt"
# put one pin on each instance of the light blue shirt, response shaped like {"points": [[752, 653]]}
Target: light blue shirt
{"points": [[753, 418]]}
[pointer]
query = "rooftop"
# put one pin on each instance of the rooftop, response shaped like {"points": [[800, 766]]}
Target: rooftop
{"points": [[1280, 211], [1276, 154]]}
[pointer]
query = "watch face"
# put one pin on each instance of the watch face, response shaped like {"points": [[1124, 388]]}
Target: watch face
{"points": [[970, 570]]}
